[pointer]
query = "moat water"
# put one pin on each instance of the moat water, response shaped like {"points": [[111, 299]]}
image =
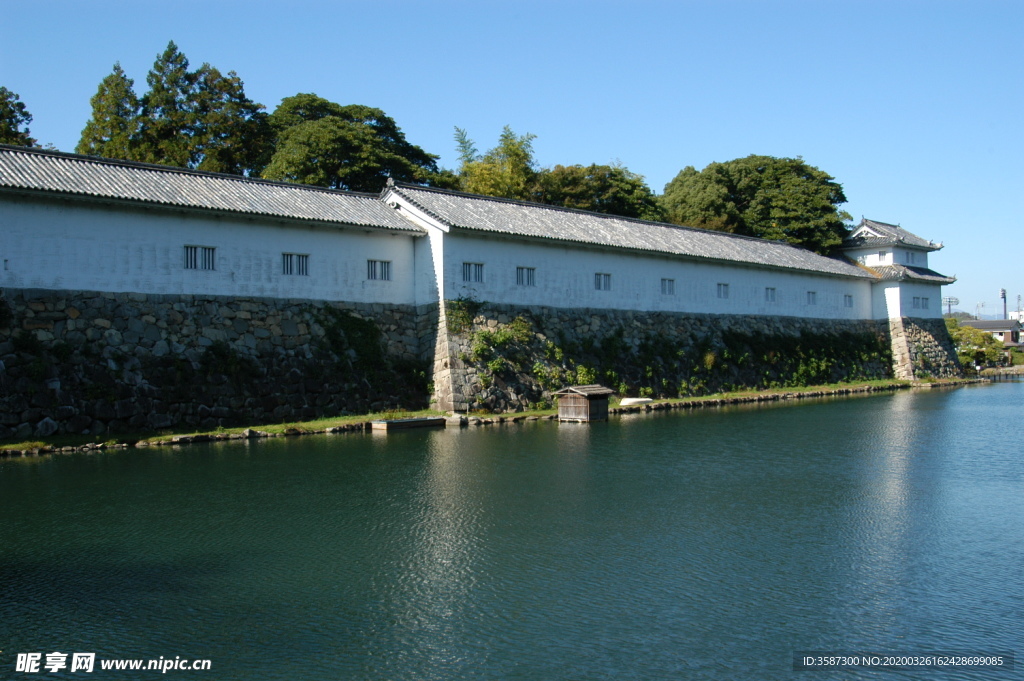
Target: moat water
{"points": [[699, 545]]}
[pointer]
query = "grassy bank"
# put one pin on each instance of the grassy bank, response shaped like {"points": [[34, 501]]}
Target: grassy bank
{"points": [[359, 423]]}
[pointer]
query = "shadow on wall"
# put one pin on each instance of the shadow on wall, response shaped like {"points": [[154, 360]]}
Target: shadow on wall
{"points": [[83, 362]]}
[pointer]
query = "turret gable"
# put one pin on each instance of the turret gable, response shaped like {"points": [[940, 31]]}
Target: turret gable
{"points": [[871, 233]]}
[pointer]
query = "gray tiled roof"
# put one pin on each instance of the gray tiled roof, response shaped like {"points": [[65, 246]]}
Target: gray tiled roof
{"points": [[38, 170], [992, 324], [904, 272], [887, 235], [486, 214]]}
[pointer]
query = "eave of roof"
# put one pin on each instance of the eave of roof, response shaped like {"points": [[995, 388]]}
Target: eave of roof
{"points": [[42, 172], [520, 219], [908, 273]]}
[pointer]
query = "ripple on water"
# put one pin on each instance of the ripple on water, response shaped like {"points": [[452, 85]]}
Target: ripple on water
{"points": [[702, 545]]}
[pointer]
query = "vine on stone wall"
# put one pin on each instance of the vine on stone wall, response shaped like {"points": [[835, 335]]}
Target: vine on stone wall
{"points": [[96, 363], [461, 312]]}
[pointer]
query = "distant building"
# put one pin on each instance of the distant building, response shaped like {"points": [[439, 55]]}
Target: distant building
{"points": [[1007, 331]]}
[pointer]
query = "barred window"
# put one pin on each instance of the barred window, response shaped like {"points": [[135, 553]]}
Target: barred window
{"points": [[295, 263], [668, 287], [473, 271], [526, 276], [924, 303], [847, 300], [723, 290], [602, 281], [769, 295], [812, 297], [199, 257], [378, 269]]}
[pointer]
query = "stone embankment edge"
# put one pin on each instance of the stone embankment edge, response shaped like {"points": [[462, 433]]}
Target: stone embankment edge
{"points": [[464, 421]]}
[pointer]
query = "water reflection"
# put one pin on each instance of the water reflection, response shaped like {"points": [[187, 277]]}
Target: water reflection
{"points": [[687, 545]]}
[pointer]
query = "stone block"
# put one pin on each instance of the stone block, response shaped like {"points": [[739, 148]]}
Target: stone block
{"points": [[158, 421], [46, 427]]}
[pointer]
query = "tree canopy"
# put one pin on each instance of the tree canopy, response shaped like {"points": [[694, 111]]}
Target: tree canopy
{"points": [[973, 346], [601, 189], [190, 119], [510, 171], [763, 196], [14, 120], [203, 119], [506, 171], [353, 147], [112, 130]]}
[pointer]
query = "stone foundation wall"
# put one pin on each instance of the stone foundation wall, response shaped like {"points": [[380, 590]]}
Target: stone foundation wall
{"points": [[930, 349], [87, 362], [507, 358]]}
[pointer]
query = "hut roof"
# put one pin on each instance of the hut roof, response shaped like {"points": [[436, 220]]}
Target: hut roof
{"points": [[586, 390]]}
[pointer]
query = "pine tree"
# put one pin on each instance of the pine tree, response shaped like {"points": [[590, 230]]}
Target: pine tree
{"points": [[232, 133], [200, 119], [112, 132], [167, 121]]}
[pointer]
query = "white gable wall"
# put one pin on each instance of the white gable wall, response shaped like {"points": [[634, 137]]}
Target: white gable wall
{"points": [[430, 253], [101, 247], [888, 303], [895, 299], [565, 277]]}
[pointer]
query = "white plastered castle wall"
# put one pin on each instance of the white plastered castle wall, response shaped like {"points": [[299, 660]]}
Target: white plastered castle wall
{"points": [[889, 255], [564, 276], [920, 299], [895, 299], [57, 244]]}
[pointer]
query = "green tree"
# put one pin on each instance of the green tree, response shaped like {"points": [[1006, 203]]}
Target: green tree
{"points": [[350, 147], [14, 120], [507, 171], [167, 121], [763, 196], [112, 131], [232, 133], [199, 119], [599, 188], [973, 346]]}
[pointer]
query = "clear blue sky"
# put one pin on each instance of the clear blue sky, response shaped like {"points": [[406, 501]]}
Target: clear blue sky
{"points": [[914, 107]]}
